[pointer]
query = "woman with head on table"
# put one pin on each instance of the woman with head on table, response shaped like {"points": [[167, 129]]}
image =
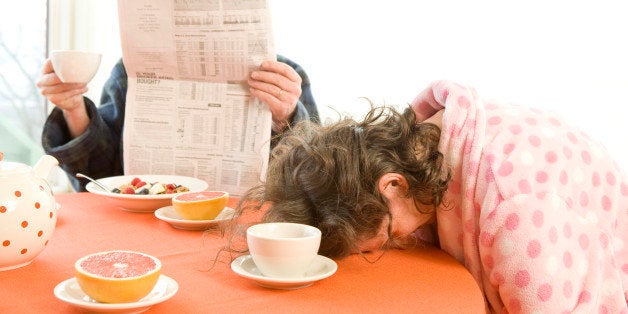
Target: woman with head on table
{"points": [[88, 139], [534, 209]]}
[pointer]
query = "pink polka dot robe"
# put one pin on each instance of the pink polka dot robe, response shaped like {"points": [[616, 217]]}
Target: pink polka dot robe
{"points": [[537, 211]]}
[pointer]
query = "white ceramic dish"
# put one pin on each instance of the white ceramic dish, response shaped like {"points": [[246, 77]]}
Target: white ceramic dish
{"points": [[321, 268], [144, 203], [170, 216], [70, 292]]}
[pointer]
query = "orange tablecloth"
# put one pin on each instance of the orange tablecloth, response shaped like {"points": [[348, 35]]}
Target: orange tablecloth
{"points": [[415, 281]]}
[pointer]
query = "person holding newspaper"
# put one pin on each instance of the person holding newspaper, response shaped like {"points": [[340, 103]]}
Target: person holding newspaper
{"points": [[88, 139]]}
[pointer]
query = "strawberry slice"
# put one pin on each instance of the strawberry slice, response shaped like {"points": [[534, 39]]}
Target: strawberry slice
{"points": [[135, 181], [129, 190]]}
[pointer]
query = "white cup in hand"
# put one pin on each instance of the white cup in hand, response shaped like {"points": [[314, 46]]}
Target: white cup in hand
{"points": [[74, 66], [283, 250]]}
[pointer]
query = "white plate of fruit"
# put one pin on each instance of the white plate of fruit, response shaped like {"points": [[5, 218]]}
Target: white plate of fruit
{"points": [[145, 193]]}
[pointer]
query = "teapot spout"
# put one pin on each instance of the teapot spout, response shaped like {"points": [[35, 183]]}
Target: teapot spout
{"points": [[44, 166]]}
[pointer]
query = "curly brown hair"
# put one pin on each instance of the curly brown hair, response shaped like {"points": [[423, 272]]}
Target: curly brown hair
{"points": [[326, 176]]}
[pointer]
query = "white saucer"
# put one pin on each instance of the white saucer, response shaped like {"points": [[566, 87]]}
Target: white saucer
{"points": [[70, 292], [168, 215], [321, 268]]}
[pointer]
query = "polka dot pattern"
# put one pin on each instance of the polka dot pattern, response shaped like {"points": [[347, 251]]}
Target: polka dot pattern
{"points": [[551, 157], [544, 292], [505, 169], [522, 279], [534, 140], [512, 221], [27, 219], [553, 208], [534, 249]]}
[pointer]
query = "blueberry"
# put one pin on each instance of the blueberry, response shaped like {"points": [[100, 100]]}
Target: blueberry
{"points": [[143, 191]]}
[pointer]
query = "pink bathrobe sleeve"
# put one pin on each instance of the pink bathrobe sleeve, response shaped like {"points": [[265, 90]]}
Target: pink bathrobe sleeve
{"points": [[536, 210]]}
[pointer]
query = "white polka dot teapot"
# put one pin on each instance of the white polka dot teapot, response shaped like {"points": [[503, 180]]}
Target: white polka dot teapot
{"points": [[28, 211]]}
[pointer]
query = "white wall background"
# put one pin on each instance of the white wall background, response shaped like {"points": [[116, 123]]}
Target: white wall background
{"points": [[570, 57], [87, 25]]}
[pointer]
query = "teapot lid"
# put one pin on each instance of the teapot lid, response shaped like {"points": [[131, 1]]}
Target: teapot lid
{"points": [[8, 168]]}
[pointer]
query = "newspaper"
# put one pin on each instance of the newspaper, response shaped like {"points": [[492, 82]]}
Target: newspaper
{"points": [[188, 108]]}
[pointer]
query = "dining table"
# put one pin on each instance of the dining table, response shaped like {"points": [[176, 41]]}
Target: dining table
{"points": [[418, 280]]}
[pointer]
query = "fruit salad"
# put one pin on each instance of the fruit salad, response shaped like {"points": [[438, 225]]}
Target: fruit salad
{"points": [[140, 187]]}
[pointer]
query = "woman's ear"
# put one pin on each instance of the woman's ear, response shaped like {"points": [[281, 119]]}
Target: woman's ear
{"points": [[392, 185]]}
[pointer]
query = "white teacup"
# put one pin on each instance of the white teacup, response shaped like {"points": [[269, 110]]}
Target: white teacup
{"points": [[283, 250], [74, 66]]}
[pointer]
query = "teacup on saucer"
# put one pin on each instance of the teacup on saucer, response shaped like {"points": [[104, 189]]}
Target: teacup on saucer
{"points": [[283, 249]]}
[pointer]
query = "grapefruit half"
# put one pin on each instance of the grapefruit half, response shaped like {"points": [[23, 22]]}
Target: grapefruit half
{"points": [[117, 276], [204, 205]]}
